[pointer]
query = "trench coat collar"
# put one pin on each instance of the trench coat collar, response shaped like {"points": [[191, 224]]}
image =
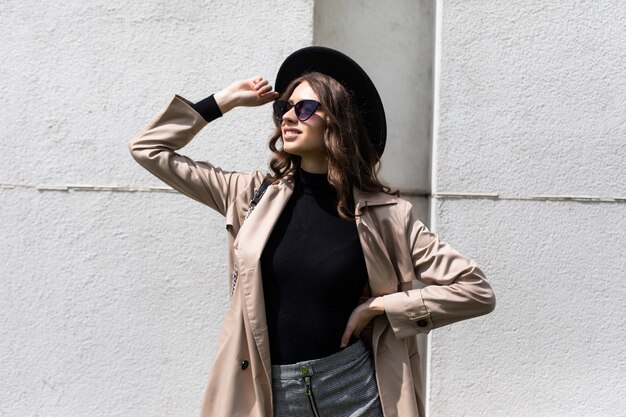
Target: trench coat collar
{"points": [[365, 199], [362, 198]]}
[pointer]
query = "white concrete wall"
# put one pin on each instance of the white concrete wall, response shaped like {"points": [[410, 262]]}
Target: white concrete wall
{"points": [[531, 102], [393, 40], [110, 302]]}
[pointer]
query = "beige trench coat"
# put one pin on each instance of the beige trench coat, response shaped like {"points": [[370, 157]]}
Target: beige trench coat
{"points": [[399, 251]]}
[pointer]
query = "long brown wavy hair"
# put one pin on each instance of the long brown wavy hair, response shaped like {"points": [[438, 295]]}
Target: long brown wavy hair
{"points": [[352, 160]]}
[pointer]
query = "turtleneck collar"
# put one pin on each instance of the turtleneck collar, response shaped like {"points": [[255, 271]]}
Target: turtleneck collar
{"points": [[316, 184]]}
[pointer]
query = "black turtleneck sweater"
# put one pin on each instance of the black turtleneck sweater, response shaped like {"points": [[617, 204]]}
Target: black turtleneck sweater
{"points": [[312, 266], [313, 273]]}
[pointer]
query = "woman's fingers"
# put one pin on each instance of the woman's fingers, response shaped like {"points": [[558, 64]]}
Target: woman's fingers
{"points": [[255, 91], [257, 83], [267, 97], [264, 89], [260, 83], [358, 319], [347, 334]]}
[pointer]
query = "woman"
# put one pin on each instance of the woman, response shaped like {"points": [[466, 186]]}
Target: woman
{"points": [[324, 312]]}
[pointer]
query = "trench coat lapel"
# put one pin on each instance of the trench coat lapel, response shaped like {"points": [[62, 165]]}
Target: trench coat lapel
{"points": [[379, 266], [380, 270], [249, 246]]}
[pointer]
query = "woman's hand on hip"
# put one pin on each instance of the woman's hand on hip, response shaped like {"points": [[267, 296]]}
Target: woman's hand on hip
{"points": [[360, 316], [252, 92]]}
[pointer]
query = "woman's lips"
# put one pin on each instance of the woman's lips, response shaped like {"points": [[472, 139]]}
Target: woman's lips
{"points": [[290, 133]]}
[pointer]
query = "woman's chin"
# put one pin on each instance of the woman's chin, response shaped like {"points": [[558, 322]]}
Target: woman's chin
{"points": [[291, 150]]}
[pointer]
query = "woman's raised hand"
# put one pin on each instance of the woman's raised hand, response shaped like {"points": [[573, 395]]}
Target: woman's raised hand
{"points": [[252, 92]]}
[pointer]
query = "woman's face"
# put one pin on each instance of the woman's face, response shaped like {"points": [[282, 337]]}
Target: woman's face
{"points": [[305, 139]]}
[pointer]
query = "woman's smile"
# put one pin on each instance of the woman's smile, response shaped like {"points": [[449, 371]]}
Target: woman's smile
{"points": [[290, 133]]}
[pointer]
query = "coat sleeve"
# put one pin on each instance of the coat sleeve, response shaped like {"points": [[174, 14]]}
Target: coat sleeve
{"points": [[455, 288], [155, 149]]}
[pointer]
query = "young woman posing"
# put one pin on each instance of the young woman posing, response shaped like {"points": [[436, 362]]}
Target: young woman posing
{"points": [[324, 313]]}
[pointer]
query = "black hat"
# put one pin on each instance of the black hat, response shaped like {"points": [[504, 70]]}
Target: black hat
{"points": [[343, 69]]}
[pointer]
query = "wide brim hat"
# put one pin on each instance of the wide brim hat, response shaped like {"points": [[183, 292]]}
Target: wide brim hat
{"points": [[350, 74]]}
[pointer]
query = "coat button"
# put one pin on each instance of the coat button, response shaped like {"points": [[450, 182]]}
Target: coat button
{"points": [[244, 365], [422, 323]]}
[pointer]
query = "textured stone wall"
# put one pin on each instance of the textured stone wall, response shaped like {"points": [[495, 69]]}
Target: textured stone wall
{"points": [[531, 99], [111, 301], [113, 289]]}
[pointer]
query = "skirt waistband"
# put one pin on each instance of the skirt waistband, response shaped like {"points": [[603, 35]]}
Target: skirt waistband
{"points": [[313, 366]]}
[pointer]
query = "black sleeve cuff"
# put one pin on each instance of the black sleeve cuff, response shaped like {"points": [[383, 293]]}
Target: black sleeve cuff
{"points": [[208, 109]]}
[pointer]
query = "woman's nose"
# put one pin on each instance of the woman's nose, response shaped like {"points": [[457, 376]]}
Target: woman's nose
{"points": [[290, 116]]}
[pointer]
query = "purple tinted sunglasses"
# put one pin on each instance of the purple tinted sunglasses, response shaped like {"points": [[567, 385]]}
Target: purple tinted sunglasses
{"points": [[304, 109]]}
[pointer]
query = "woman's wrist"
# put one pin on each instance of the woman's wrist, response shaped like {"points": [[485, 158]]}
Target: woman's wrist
{"points": [[377, 306], [225, 100]]}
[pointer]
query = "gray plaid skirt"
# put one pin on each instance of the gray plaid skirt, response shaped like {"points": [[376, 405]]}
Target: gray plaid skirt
{"points": [[342, 384]]}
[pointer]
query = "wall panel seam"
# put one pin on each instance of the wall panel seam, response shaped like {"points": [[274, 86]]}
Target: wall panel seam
{"points": [[405, 193]]}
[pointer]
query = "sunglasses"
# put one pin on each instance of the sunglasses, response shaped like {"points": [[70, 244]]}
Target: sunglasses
{"points": [[304, 109]]}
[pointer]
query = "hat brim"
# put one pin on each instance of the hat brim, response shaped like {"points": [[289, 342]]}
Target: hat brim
{"points": [[345, 70]]}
